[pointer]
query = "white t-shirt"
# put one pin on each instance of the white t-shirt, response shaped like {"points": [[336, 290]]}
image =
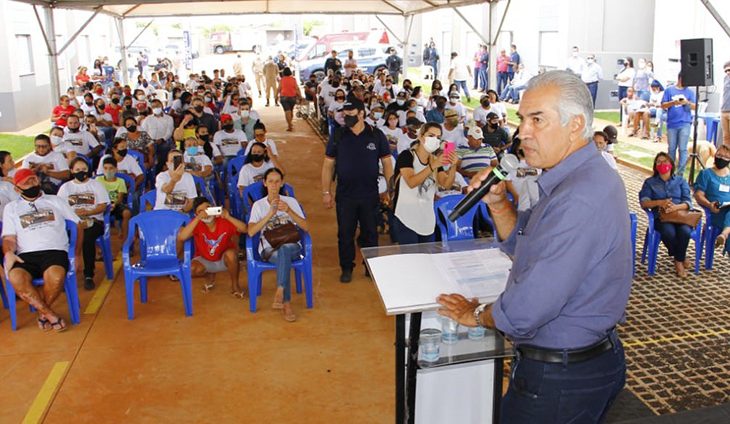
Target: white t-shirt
{"points": [[499, 108], [455, 136], [244, 89], [196, 163], [86, 195], [261, 208], [7, 195], [414, 206], [55, 159], [405, 143], [128, 165], [271, 144], [39, 225], [461, 72], [158, 127], [230, 143], [524, 181], [250, 174], [79, 142], [459, 108], [610, 159], [393, 136], [327, 92], [480, 114], [184, 189]]}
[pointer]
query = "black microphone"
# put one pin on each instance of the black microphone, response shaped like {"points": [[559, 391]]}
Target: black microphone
{"points": [[508, 164]]}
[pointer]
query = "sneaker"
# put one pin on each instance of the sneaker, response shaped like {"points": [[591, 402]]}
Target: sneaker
{"points": [[346, 275], [89, 283]]}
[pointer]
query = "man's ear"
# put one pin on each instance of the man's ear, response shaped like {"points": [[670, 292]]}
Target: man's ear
{"points": [[577, 125]]}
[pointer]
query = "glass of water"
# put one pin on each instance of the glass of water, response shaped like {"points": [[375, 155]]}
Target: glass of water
{"points": [[449, 330], [429, 344], [476, 333]]}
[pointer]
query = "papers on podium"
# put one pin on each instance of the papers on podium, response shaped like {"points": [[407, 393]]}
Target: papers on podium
{"points": [[411, 282]]}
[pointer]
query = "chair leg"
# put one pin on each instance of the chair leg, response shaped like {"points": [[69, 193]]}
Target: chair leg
{"points": [[143, 289], [253, 278], [698, 254], [2, 294], [308, 282], [646, 246], [652, 254], [298, 278], [710, 238], [186, 284], [72, 295], [106, 252], [129, 288], [12, 306]]}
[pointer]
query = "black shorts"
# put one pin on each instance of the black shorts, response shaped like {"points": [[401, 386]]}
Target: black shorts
{"points": [[288, 103], [36, 263], [118, 211]]}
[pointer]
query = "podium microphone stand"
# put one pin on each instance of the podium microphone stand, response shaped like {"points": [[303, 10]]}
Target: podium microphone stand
{"points": [[694, 156]]}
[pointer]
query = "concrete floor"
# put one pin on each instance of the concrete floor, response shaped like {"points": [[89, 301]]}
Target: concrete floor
{"points": [[223, 364]]}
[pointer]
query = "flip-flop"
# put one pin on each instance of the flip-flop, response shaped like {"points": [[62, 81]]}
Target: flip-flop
{"points": [[289, 317], [58, 326], [44, 324], [207, 287], [238, 294]]}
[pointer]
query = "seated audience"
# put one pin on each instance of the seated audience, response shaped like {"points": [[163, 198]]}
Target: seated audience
{"points": [[175, 187], [117, 190], [712, 191]]}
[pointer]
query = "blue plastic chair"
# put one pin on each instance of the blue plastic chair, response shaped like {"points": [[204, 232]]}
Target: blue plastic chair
{"points": [[148, 199], [105, 244], [653, 238], [72, 294], [149, 174], [709, 235], [634, 226], [255, 192], [256, 266], [86, 159], [2, 283], [463, 228], [232, 170], [203, 189], [158, 255], [131, 187]]}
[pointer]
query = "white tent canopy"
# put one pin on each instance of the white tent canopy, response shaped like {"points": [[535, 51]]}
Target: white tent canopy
{"points": [[160, 8]]}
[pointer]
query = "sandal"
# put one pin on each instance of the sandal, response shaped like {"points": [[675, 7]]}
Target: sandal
{"points": [[720, 241], [239, 294], [207, 287], [44, 324], [59, 326], [289, 316], [278, 301]]}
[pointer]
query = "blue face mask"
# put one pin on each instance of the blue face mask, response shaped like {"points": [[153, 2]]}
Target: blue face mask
{"points": [[192, 151]]}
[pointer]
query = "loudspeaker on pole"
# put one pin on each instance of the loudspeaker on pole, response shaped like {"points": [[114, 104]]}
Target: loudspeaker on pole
{"points": [[696, 60]]}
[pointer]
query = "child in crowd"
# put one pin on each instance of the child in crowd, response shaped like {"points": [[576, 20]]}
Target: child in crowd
{"points": [[117, 189]]}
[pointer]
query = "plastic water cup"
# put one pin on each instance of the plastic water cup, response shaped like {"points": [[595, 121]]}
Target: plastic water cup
{"points": [[476, 333], [449, 330], [429, 344]]}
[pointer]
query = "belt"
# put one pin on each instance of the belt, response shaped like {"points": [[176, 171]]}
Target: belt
{"points": [[570, 356]]}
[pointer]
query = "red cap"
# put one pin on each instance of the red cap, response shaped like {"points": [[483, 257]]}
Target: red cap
{"points": [[226, 117], [21, 175]]}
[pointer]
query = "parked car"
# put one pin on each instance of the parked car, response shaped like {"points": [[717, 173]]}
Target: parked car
{"points": [[369, 58]]}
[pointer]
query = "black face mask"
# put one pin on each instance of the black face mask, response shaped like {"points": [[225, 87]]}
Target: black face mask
{"points": [[485, 103], [128, 107], [122, 152], [115, 101], [89, 103], [205, 137], [80, 176], [335, 84], [73, 130], [721, 163], [228, 127], [31, 192], [351, 121], [257, 158], [198, 108], [101, 106], [493, 126], [132, 128]]}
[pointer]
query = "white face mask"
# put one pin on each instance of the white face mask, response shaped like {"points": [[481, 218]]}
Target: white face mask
{"points": [[157, 111], [431, 144], [55, 140], [245, 114], [575, 54], [400, 102]]}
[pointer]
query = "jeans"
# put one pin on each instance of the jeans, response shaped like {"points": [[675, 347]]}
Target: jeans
{"points": [[675, 237], [476, 77], [659, 115], [350, 213], [435, 65], [89, 247], [678, 139], [462, 84], [501, 82], [483, 81], [404, 235], [621, 95], [580, 392], [512, 92], [593, 88], [283, 257]]}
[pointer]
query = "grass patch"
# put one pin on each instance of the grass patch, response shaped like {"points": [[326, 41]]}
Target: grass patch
{"points": [[17, 145], [636, 155], [611, 116]]}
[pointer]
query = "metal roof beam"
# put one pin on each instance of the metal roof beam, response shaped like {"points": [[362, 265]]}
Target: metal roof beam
{"points": [[76, 34]]}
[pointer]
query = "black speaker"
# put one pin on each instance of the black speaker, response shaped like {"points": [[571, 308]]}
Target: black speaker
{"points": [[696, 62]]}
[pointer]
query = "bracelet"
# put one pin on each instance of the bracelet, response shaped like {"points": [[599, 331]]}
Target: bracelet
{"points": [[478, 314]]}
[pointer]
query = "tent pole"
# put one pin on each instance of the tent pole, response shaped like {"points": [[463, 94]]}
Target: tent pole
{"points": [[52, 54], [124, 72], [407, 25]]}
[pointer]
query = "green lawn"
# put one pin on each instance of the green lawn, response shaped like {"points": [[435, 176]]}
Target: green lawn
{"points": [[611, 116], [17, 145], [635, 154]]}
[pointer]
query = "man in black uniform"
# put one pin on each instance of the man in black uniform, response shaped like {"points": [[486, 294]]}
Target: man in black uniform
{"points": [[333, 63], [354, 152], [394, 65]]}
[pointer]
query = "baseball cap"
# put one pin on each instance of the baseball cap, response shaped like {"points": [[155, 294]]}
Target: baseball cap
{"points": [[450, 113], [475, 132], [353, 104], [454, 95], [611, 132], [226, 117], [21, 175], [492, 115]]}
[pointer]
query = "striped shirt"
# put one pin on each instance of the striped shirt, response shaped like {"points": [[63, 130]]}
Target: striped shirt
{"points": [[476, 159]]}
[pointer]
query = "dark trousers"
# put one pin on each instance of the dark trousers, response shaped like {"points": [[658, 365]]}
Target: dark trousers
{"points": [[483, 79], [581, 392], [675, 237], [350, 214], [404, 235], [593, 88], [622, 93], [475, 86], [89, 247], [501, 82]]}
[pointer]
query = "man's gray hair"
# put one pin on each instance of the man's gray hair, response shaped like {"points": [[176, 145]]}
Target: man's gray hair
{"points": [[575, 99]]}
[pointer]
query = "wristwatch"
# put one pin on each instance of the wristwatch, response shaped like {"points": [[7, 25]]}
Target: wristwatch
{"points": [[478, 314]]}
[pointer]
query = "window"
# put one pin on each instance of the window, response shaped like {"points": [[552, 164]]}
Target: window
{"points": [[25, 54]]}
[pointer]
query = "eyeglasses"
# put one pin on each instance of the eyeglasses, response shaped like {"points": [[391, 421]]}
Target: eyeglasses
{"points": [[42, 146]]}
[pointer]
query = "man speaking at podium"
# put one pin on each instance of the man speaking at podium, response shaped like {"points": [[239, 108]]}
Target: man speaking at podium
{"points": [[572, 265]]}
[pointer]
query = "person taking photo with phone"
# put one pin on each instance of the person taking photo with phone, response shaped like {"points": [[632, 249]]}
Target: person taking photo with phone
{"points": [[175, 187]]}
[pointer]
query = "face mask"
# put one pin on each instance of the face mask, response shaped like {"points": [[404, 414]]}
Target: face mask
{"points": [[431, 144], [192, 151], [109, 175], [208, 220], [73, 130], [589, 60], [493, 126], [335, 84], [485, 104], [208, 99], [115, 101], [140, 98], [400, 102], [414, 108], [351, 121], [100, 91], [575, 54], [198, 108], [31, 192], [453, 122], [664, 168], [55, 140], [721, 163], [122, 152], [205, 137], [128, 107], [642, 65], [157, 111], [80, 176], [228, 127], [257, 158], [145, 85], [377, 115], [101, 106], [132, 128], [245, 114], [89, 103]]}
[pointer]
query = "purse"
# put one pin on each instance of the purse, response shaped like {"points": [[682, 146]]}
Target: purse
{"points": [[282, 234], [687, 217]]}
